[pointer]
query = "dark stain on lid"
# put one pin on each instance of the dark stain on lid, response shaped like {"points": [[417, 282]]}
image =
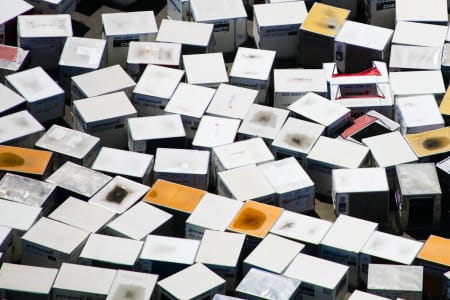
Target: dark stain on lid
{"points": [[117, 194], [250, 219], [129, 292], [8, 159], [298, 140], [435, 143], [264, 118]]}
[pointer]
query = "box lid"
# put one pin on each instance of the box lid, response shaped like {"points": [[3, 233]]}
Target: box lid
{"points": [[12, 9], [444, 165], [19, 124], [5, 233], [415, 57], [205, 68], [79, 278], [300, 80], [364, 35], [417, 11], [224, 297], [419, 110], [419, 34], [34, 280], [55, 235], [169, 249], [232, 101], [255, 219], [340, 156], [82, 52], [184, 32], [37, 26], [67, 141], [430, 142], [122, 162], [253, 63], [79, 179], [82, 214], [25, 190], [158, 81], [114, 105], [316, 271], [163, 127], [10, 99], [182, 161], [301, 227], [214, 212], [119, 194], [445, 103], [8, 63], [116, 250], [139, 221], [360, 180], [392, 247], [418, 179], [18, 216], [190, 100], [127, 23], [318, 109], [298, 135], [417, 82], [220, 248], [325, 19], [24, 160], [359, 295], [215, 131], [360, 229], [436, 249], [103, 81], [156, 53], [204, 10], [395, 278], [286, 175], [263, 257], [126, 283], [279, 14], [389, 149]]}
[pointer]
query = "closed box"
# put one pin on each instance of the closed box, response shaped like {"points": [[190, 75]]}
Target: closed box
{"points": [[12, 102], [8, 19], [410, 83], [430, 145], [179, 10], [419, 34], [415, 11], [215, 131], [207, 70], [359, 295], [409, 58], [13, 59], [132, 283], [53, 6], [25, 161]]}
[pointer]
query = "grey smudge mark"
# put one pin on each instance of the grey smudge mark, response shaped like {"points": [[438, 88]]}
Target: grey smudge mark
{"points": [[298, 140], [129, 292], [117, 194], [435, 143], [22, 122], [287, 225], [265, 118]]}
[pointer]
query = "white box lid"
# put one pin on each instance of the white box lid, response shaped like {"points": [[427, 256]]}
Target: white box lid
{"points": [[157, 53], [253, 63], [389, 149], [82, 52], [318, 109], [79, 179], [417, 82], [243, 189], [12, 9], [17, 64], [37, 26], [34, 280], [219, 248], [232, 101], [55, 235], [360, 230], [274, 253], [415, 57], [184, 32], [191, 282], [182, 161], [127, 23], [316, 271], [418, 179], [158, 81], [119, 194], [82, 214], [395, 278], [139, 221], [18, 216], [364, 35], [344, 154], [392, 247], [126, 283], [190, 100], [79, 278], [5, 232], [286, 175], [214, 212], [215, 131], [163, 126], [301, 227], [360, 180], [17, 125], [67, 141], [359, 295], [9, 98], [300, 80], [25, 190], [104, 107], [263, 121], [103, 81], [205, 10], [279, 14], [298, 135], [205, 68], [419, 110], [243, 153], [34, 84], [419, 34], [169, 249], [418, 11], [111, 249]]}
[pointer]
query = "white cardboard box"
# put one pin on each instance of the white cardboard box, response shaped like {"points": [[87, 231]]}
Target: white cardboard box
{"points": [[24, 135], [205, 69], [53, 6], [406, 57], [229, 19], [179, 10], [120, 28], [417, 83], [167, 131], [380, 12], [6, 244], [8, 18], [419, 34], [44, 96], [215, 131], [434, 12], [190, 101], [155, 88], [128, 283], [276, 27], [358, 295], [12, 64]]}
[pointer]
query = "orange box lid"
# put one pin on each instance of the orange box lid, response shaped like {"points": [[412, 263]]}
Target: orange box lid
{"points": [[325, 19], [445, 103], [173, 195], [255, 219], [24, 160], [430, 142], [436, 249]]}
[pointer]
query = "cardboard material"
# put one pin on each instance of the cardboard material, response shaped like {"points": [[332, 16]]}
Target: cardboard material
{"points": [[415, 11], [24, 135], [380, 12], [405, 57], [430, 145], [134, 283], [205, 69], [12, 101], [215, 131], [25, 161], [359, 295]]}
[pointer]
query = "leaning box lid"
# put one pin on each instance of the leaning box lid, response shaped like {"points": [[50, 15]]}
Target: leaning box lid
{"points": [[24, 160], [430, 142], [32, 26], [325, 19], [34, 280], [437, 250], [129, 23], [18, 216]]}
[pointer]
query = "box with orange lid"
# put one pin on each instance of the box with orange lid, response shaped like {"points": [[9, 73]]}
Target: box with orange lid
{"points": [[430, 145], [25, 161]]}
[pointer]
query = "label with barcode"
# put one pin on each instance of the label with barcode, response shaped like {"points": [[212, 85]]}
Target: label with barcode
{"points": [[342, 204]]}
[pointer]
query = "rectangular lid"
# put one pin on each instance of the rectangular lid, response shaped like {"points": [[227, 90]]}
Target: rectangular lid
{"points": [[215, 131], [169, 249], [19, 59], [157, 81], [190, 100], [418, 179], [82, 52], [360, 180], [10, 99], [156, 53], [279, 14], [232, 101], [126, 283], [206, 68], [419, 110], [445, 103], [415, 57], [38, 26], [129, 23], [182, 161], [417, 82], [359, 295], [430, 142], [185, 33], [29, 279], [437, 250], [419, 34], [24, 160], [395, 278], [300, 80], [18, 216], [207, 11], [364, 35], [12, 9], [325, 19], [253, 63], [163, 127], [417, 11], [17, 125]]}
